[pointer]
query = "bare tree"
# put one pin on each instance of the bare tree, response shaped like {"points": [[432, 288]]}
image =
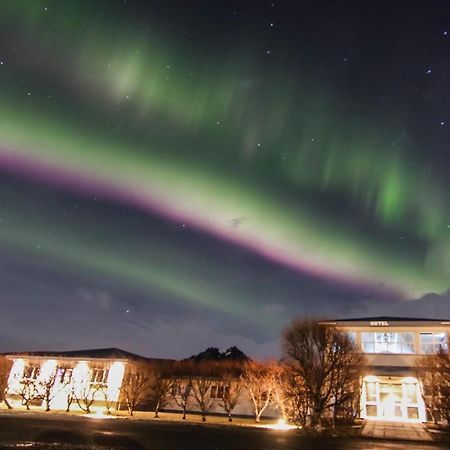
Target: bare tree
{"points": [[5, 368], [46, 389], [103, 388], [326, 362], [85, 395], [161, 386], [295, 398], [137, 385], [346, 394], [232, 389], [70, 395], [28, 391], [260, 382], [201, 390], [434, 374], [182, 393], [279, 395], [182, 375]]}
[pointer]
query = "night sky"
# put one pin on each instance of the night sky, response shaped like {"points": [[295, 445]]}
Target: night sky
{"points": [[183, 174]]}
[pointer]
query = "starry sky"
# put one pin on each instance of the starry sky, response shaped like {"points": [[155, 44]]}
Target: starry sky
{"points": [[180, 174]]}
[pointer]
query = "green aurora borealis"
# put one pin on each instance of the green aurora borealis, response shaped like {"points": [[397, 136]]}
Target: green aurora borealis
{"points": [[300, 173]]}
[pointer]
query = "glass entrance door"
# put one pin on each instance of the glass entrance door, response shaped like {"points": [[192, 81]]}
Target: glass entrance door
{"points": [[390, 405], [392, 398]]}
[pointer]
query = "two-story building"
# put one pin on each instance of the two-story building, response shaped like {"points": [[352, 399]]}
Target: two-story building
{"points": [[394, 348]]}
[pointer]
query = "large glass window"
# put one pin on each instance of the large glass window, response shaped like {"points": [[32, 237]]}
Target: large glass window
{"points": [[391, 342], [433, 342]]}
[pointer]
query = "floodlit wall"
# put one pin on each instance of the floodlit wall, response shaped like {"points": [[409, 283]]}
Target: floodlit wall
{"points": [[95, 378]]}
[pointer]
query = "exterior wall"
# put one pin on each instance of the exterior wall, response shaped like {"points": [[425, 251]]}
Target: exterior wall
{"points": [[89, 377], [243, 408], [82, 373]]}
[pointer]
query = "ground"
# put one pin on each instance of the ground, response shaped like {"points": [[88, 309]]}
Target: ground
{"points": [[76, 432]]}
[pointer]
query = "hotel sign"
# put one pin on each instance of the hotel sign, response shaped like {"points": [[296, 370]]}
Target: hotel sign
{"points": [[379, 323]]}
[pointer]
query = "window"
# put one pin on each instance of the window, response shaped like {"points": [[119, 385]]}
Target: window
{"points": [[99, 375], [352, 336], [31, 372], [371, 392], [410, 393], [433, 342], [226, 393], [179, 390], [217, 391], [213, 392], [220, 392], [64, 374], [392, 342], [371, 410]]}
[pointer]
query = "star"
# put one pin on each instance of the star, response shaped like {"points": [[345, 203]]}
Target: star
{"points": [[442, 123], [268, 52], [428, 71]]}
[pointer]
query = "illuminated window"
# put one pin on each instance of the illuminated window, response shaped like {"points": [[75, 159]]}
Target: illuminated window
{"points": [[433, 342], [391, 342]]}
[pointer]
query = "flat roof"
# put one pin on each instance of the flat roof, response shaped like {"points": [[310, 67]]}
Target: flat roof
{"points": [[96, 353], [381, 321]]}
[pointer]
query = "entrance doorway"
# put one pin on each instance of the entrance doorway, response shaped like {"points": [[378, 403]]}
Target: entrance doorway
{"points": [[392, 398]]}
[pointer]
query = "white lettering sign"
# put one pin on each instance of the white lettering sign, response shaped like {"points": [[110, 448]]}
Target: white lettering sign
{"points": [[380, 323]]}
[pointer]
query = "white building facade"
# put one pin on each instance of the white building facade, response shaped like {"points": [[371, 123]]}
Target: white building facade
{"points": [[394, 348]]}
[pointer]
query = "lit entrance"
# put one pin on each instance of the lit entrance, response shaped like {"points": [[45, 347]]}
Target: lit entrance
{"points": [[392, 398]]}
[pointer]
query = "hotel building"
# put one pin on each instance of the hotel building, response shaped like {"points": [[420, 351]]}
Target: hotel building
{"points": [[393, 348], [391, 390]]}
